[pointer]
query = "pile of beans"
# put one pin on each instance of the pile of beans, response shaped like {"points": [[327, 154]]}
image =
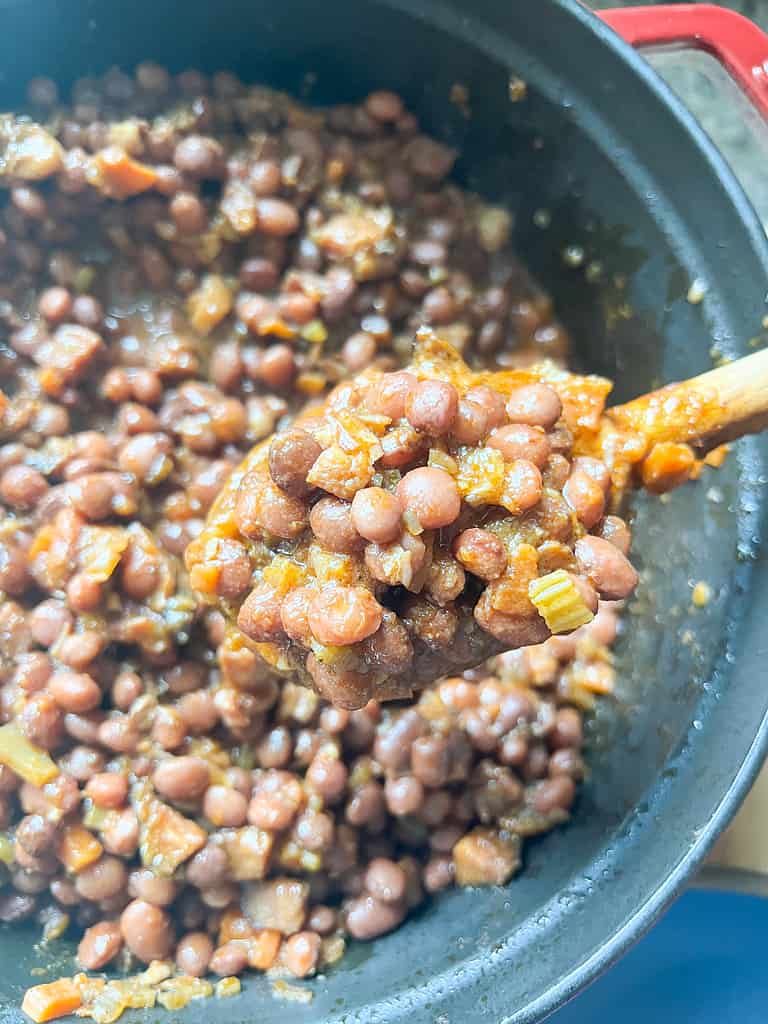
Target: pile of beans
{"points": [[186, 262]]}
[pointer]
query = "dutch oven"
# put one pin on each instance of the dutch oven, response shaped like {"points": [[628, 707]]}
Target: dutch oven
{"points": [[599, 155]]}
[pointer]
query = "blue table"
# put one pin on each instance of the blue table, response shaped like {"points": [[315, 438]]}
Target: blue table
{"points": [[703, 963]]}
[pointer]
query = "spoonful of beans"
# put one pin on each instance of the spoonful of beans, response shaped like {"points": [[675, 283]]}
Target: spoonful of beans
{"points": [[417, 522]]}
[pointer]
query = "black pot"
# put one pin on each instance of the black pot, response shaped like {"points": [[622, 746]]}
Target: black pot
{"points": [[625, 173]]}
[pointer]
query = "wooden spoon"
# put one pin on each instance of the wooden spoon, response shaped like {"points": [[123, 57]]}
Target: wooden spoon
{"points": [[705, 411]]}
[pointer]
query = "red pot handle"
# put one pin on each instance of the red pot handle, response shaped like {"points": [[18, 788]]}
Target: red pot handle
{"points": [[738, 43]]}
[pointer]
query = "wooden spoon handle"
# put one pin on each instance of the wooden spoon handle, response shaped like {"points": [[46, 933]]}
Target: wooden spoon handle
{"points": [[705, 411]]}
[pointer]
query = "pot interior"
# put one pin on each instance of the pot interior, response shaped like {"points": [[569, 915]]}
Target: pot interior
{"points": [[616, 174]]}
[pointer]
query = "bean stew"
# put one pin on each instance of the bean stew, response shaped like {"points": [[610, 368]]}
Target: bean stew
{"points": [[243, 518]]}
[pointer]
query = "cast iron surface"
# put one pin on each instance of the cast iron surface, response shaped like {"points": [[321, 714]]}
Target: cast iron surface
{"points": [[626, 174]]}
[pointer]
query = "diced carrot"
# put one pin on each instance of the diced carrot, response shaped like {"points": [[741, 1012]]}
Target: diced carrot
{"points": [[41, 541], [3, 403], [276, 327], [56, 999], [78, 848], [311, 383], [51, 380], [666, 466], [204, 578], [122, 176], [263, 948]]}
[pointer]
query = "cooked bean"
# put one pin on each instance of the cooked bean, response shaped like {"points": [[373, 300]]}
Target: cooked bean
{"points": [[367, 917], [275, 749], [301, 953], [585, 496], [277, 798], [78, 650], [36, 834], [596, 469], [144, 884], [322, 920], [521, 441], [439, 873], [208, 867], [404, 795], [343, 615], [199, 712], [432, 407], [16, 907], [119, 734], [431, 495], [188, 213], [524, 486], [84, 594], [297, 307], [41, 721], [22, 487], [327, 776], [390, 647], [121, 834], [185, 677], [55, 304], [182, 778], [258, 274], [384, 105], [259, 615], [358, 351], [74, 691], [566, 761], [107, 789], [169, 729], [32, 671], [388, 396], [604, 626], [294, 614], [480, 411], [376, 514], [385, 880], [263, 506], [277, 367], [82, 762], [277, 217], [101, 880], [291, 456], [199, 157], [93, 495], [193, 954], [225, 807], [554, 794], [366, 807], [147, 931], [606, 567], [331, 522], [615, 530], [481, 553], [538, 405], [88, 312]]}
